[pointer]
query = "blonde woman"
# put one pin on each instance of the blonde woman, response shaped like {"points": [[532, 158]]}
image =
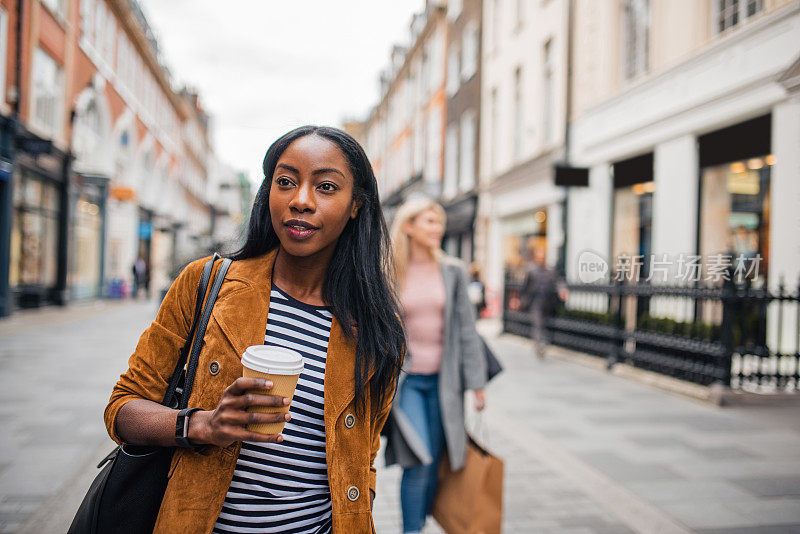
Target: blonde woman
{"points": [[444, 358]]}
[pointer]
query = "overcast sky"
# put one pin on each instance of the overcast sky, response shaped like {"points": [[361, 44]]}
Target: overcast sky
{"points": [[263, 67]]}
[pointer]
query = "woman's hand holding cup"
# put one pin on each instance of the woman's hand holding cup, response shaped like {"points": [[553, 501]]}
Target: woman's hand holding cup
{"points": [[227, 423]]}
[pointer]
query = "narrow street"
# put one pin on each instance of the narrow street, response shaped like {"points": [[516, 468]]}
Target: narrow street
{"points": [[585, 451]]}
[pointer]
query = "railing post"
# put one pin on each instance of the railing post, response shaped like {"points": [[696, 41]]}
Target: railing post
{"points": [[726, 329], [614, 353], [504, 310]]}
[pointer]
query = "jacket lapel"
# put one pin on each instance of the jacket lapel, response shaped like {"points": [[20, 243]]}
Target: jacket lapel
{"points": [[340, 366], [242, 315]]}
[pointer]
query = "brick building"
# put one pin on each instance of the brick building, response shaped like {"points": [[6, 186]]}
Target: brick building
{"points": [[102, 159]]}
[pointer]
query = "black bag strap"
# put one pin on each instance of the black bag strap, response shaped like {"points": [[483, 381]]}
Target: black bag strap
{"points": [[200, 333], [177, 373]]}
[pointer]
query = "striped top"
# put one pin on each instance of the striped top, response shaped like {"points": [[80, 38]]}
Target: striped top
{"points": [[283, 487]]}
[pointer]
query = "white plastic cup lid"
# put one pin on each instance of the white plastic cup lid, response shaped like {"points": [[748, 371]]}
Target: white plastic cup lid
{"points": [[275, 360]]}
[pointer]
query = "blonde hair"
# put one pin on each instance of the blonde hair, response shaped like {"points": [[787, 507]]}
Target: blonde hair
{"points": [[400, 240]]}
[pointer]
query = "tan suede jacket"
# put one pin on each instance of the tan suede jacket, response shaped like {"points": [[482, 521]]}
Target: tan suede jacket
{"points": [[198, 482]]}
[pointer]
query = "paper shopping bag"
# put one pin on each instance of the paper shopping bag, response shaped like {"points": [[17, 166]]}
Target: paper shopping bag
{"points": [[470, 500]]}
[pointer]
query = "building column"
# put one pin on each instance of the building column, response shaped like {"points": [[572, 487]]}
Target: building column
{"points": [[589, 224], [675, 218], [675, 169], [784, 224]]}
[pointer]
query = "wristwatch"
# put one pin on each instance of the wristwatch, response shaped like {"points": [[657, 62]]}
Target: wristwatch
{"points": [[182, 429]]}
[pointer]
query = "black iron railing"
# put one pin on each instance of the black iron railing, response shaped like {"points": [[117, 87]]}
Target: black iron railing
{"points": [[735, 335]]}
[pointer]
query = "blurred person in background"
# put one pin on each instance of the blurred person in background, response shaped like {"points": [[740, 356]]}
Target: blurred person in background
{"points": [[476, 289], [312, 276], [444, 358], [141, 277], [541, 288]]}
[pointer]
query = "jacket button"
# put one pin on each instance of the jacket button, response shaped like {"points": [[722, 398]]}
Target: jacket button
{"points": [[349, 420], [352, 493], [213, 368]]}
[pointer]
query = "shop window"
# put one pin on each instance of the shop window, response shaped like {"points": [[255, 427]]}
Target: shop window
{"points": [[34, 235], [521, 235], [633, 228], [84, 277], [631, 248], [734, 216]]}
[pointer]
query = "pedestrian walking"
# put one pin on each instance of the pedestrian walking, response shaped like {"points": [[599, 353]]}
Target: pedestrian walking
{"points": [[444, 358], [476, 289], [141, 277], [541, 288], [310, 277]]}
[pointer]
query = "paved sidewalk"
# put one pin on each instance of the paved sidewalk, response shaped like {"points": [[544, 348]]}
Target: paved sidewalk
{"points": [[585, 451]]}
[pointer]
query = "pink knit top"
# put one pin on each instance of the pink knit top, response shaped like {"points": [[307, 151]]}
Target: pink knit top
{"points": [[422, 301]]}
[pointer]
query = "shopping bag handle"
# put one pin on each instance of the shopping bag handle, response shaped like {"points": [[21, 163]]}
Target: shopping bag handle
{"points": [[480, 431]]}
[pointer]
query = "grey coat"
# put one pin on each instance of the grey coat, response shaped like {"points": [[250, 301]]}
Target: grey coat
{"points": [[463, 367]]}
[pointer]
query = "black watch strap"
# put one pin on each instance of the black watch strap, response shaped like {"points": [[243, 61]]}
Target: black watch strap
{"points": [[182, 428]]}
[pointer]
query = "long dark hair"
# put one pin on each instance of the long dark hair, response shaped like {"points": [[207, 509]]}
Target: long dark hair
{"points": [[357, 286]]}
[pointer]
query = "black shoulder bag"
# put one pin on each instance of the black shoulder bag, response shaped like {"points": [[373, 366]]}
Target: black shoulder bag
{"points": [[126, 495]]}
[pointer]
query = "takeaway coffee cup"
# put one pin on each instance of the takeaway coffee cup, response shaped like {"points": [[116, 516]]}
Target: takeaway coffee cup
{"points": [[283, 368]]}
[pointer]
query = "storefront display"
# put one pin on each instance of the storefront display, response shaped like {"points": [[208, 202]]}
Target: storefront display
{"points": [[734, 215], [34, 237], [85, 277]]}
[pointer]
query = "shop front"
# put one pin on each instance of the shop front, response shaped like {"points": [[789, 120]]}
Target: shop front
{"points": [[735, 174], [87, 236], [521, 235], [459, 233], [39, 230], [632, 213]]}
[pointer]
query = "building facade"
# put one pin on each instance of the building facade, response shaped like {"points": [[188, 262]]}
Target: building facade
{"points": [[404, 132], [690, 134], [106, 161], [523, 125], [459, 194]]}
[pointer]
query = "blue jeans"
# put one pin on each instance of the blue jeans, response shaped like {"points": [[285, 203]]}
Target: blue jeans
{"points": [[419, 400]]}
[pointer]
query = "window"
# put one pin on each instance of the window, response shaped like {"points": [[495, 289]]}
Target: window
{"points": [[494, 125], [47, 93], [469, 59], [453, 69], [56, 6], [468, 147], [549, 91], [518, 114], [433, 169], [87, 19], [730, 12], [496, 24], [34, 234], [454, 9], [636, 28], [520, 12], [451, 162], [734, 214]]}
